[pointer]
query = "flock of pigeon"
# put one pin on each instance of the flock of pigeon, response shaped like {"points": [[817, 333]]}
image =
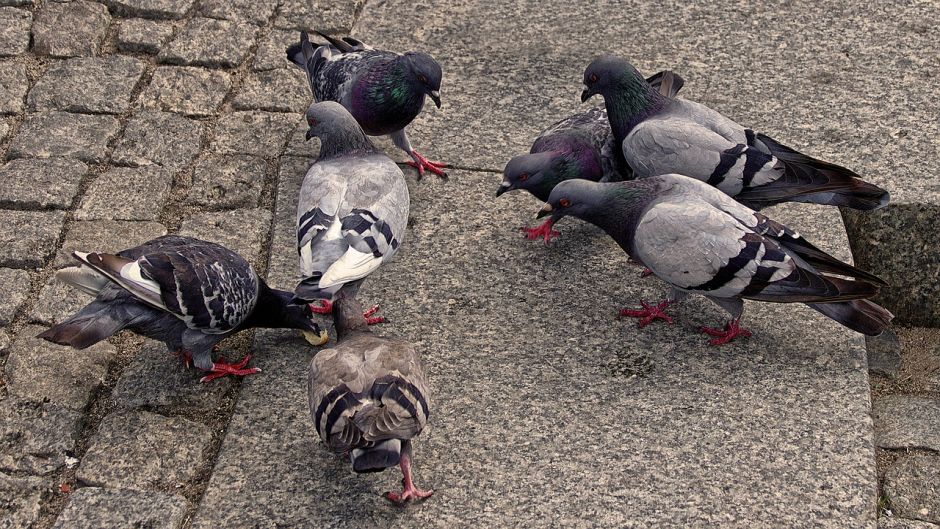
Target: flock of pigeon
{"points": [[676, 184]]}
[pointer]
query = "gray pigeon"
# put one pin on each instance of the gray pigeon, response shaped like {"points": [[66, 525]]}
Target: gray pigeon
{"points": [[383, 90], [662, 135], [352, 211], [368, 398], [580, 146], [700, 241], [189, 294]]}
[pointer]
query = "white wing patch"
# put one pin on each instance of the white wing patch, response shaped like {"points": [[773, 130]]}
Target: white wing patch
{"points": [[351, 266]]}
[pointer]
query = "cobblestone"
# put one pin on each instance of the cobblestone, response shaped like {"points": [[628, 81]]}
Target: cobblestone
{"points": [[210, 42], [907, 422], [91, 85], [253, 132], [15, 287], [254, 11], [98, 508], [241, 230], [28, 238], [884, 354], [326, 16], [81, 136], [14, 84], [20, 500], [172, 9], [227, 181], [143, 35], [125, 193], [57, 302], [36, 437], [41, 183], [105, 236], [278, 90], [187, 90], [271, 50], [14, 39], [163, 138], [913, 486], [70, 29]]}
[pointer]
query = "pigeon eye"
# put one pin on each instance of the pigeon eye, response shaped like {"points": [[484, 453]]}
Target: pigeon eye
{"points": [[593, 78], [564, 202], [423, 79], [523, 177]]}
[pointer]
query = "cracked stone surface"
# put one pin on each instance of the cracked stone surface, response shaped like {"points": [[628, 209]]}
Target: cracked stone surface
{"points": [[88, 85], [210, 42], [143, 35], [36, 437], [15, 287], [278, 90], [105, 236], [254, 11], [253, 132], [81, 136], [227, 181], [271, 50], [69, 29], [14, 84], [126, 193], [28, 238], [162, 138], [906, 422], [14, 40], [98, 508], [913, 485], [50, 183], [159, 9], [186, 90]]}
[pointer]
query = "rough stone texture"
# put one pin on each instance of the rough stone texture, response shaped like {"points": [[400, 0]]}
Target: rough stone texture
{"points": [[91, 85], [171, 9], [271, 48], [45, 372], [142, 35], [71, 28], [210, 42], [57, 301], [28, 238], [41, 183], [884, 354], [126, 193], [161, 138], [144, 451], [36, 437], [14, 39], [13, 86], [913, 486], [901, 523], [903, 421], [254, 11], [97, 508], [254, 132], [105, 236], [4, 130], [186, 90], [227, 181], [15, 287], [299, 145], [156, 379], [282, 264], [325, 15], [46, 134], [20, 500], [240, 230], [275, 90]]}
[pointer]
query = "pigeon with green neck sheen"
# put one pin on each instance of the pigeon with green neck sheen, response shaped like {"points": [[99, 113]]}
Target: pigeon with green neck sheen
{"points": [[580, 146], [660, 135], [700, 241], [383, 90]]}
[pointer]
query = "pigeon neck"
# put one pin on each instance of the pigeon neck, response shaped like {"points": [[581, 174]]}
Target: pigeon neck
{"points": [[273, 309], [385, 100], [630, 103], [347, 316], [344, 141], [621, 211]]}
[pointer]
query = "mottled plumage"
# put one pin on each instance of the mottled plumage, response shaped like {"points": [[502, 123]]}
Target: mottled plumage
{"points": [[698, 240], [660, 135]]}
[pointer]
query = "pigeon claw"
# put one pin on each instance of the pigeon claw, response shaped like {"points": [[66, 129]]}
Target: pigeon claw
{"points": [[731, 331], [421, 163], [412, 493], [370, 317], [544, 231], [221, 369], [646, 272], [325, 307], [649, 313]]}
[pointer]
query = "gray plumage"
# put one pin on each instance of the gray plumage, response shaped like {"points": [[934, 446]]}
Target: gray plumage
{"points": [[698, 240], [352, 210]]}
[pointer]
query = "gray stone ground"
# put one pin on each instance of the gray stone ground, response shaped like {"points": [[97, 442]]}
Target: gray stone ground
{"points": [[125, 119]]}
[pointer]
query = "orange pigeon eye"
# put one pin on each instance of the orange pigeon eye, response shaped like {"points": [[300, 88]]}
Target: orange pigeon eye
{"points": [[523, 177], [564, 202], [593, 77]]}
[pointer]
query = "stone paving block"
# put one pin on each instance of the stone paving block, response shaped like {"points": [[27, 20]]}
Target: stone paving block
{"points": [[884, 354], [126, 193], [894, 522], [42, 371], [87, 84], [271, 49], [14, 40], [161, 9], [144, 451], [28, 238], [186, 90], [4, 130], [163, 138], [70, 29], [324, 15], [41, 183], [240, 230], [97, 508], [20, 500], [81, 136], [282, 264], [15, 287], [254, 11], [158, 379], [253, 132], [105, 236], [13, 87], [210, 42], [904, 421], [57, 302], [299, 145], [279, 90], [913, 486], [36, 437], [142, 35], [227, 181], [17, 3]]}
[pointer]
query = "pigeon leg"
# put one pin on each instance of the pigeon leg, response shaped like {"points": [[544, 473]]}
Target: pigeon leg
{"points": [[649, 312], [326, 307], [185, 356], [221, 369], [421, 163], [545, 231], [731, 331], [409, 490], [646, 272]]}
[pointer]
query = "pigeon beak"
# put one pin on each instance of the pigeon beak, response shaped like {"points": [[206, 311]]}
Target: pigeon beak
{"points": [[308, 135], [505, 186], [546, 210], [436, 97], [316, 339], [586, 94]]}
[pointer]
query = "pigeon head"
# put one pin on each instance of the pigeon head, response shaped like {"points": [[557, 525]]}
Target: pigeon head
{"points": [[609, 73], [526, 171], [275, 309], [338, 130], [578, 197], [426, 75]]}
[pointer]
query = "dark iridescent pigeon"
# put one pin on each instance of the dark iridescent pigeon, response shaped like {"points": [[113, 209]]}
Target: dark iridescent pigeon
{"points": [[700, 241], [189, 294], [662, 135], [352, 211], [383, 90], [580, 146], [368, 398]]}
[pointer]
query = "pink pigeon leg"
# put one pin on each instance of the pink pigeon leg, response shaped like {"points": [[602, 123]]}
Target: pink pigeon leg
{"points": [[544, 231], [649, 313], [421, 163], [221, 369], [731, 331], [410, 491]]}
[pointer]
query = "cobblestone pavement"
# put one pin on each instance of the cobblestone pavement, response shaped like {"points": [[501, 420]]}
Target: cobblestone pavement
{"points": [[121, 120]]}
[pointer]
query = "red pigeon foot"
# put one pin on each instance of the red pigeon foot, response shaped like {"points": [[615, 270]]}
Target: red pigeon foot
{"points": [[731, 331], [649, 313]]}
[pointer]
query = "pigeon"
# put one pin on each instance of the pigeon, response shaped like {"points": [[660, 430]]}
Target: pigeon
{"points": [[580, 146], [661, 135], [188, 293], [700, 241], [352, 211], [383, 90], [368, 398]]}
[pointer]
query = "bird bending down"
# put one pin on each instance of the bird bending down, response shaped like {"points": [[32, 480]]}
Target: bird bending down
{"points": [[383, 90], [368, 398], [700, 241], [660, 135], [188, 293]]}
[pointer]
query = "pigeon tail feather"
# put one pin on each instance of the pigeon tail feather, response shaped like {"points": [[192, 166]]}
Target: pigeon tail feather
{"points": [[377, 458], [860, 315], [94, 323]]}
